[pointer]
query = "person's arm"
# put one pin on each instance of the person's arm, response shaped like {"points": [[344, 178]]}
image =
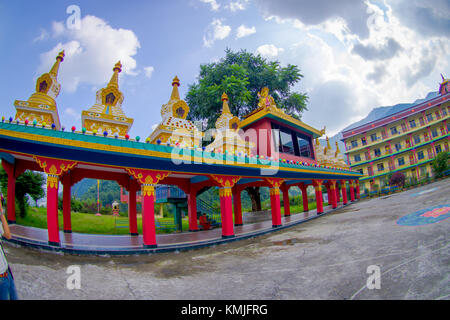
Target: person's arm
{"points": [[6, 231]]}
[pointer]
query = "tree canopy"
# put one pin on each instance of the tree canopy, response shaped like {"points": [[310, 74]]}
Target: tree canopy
{"points": [[29, 183], [241, 75]]}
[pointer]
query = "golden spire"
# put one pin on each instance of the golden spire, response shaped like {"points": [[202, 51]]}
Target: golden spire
{"points": [[114, 82], [328, 143], [55, 68], [225, 108], [175, 84], [337, 149]]}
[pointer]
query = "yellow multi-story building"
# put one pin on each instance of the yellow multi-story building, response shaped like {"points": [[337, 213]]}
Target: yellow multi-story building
{"points": [[405, 141]]}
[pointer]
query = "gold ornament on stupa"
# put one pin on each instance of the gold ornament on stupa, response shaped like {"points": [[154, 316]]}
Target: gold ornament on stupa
{"points": [[327, 157], [106, 115], [174, 128], [41, 106], [227, 138]]}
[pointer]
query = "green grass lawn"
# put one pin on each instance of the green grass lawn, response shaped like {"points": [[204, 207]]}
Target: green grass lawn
{"points": [[87, 223]]}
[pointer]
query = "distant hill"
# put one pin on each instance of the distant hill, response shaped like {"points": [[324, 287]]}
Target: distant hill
{"points": [[375, 114]]}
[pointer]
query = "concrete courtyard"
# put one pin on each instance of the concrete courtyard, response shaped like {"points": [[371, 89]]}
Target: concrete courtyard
{"points": [[326, 258]]}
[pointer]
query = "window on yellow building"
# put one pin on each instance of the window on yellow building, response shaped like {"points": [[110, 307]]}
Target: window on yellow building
{"points": [[401, 161], [417, 139], [412, 124], [393, 130], [434, 133], [438, 115], [420, 155], [377, 152], [429, 117], [380, 167], [438, 148]]}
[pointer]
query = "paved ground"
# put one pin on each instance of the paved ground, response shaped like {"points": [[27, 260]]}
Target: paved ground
{"points": [[326, 258]]}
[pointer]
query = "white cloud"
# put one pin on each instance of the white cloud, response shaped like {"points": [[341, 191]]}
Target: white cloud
{"points": [[58, 28], [243, 31], [214, 5], [215, 31], [238, 5], [42, 36], [346, 76], [149, 71], [70, 112], [269, 51], [91, 53]]}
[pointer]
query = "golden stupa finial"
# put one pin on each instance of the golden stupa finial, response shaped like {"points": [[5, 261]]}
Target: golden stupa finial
{"points": [[328, 143], [322, 132], [59, 59], [225, 107], [337, 149], [115, 77], [317, 142], [175, 84]]}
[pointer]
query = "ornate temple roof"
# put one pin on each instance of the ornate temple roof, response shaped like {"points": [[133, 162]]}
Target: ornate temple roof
{"points": [[175, 128], [107, 114], [41, 106], [227, 138], [268, 108]]}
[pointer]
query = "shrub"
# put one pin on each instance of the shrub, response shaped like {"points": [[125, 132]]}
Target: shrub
{"points": [[440, 164], [397, 179]]}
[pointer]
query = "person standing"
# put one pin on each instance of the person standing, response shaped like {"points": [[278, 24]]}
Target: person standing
{"points": [[7, 286]]}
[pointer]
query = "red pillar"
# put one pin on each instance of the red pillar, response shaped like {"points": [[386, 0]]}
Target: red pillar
{"points": [[11, 192], [358, 195], [148, 216], [352, 191], [11, 198], [132, 210], [287, 206], [344, 192], [305, 198], [319, 199], [52, 210], [275, 204], [338, 193], [237, 208], [226, 210], [192, 211], [330, 197], [67, 222], [333, 194]]}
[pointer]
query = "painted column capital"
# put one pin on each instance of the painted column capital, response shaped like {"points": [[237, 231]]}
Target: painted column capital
{"points": [[225, 192], [148, 190], [54, 167], [225, 181], [52, 181], [148, 177], [274, 191]]}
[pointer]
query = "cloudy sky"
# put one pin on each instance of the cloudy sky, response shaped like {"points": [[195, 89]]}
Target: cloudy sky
{"points": [[355, 55]]}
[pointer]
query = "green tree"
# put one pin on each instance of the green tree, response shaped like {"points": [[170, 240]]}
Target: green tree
{"points": [[28, 184], [241, 75], [440, 164]]}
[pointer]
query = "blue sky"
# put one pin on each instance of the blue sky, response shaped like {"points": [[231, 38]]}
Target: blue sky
{"points": [[355, 55]]}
